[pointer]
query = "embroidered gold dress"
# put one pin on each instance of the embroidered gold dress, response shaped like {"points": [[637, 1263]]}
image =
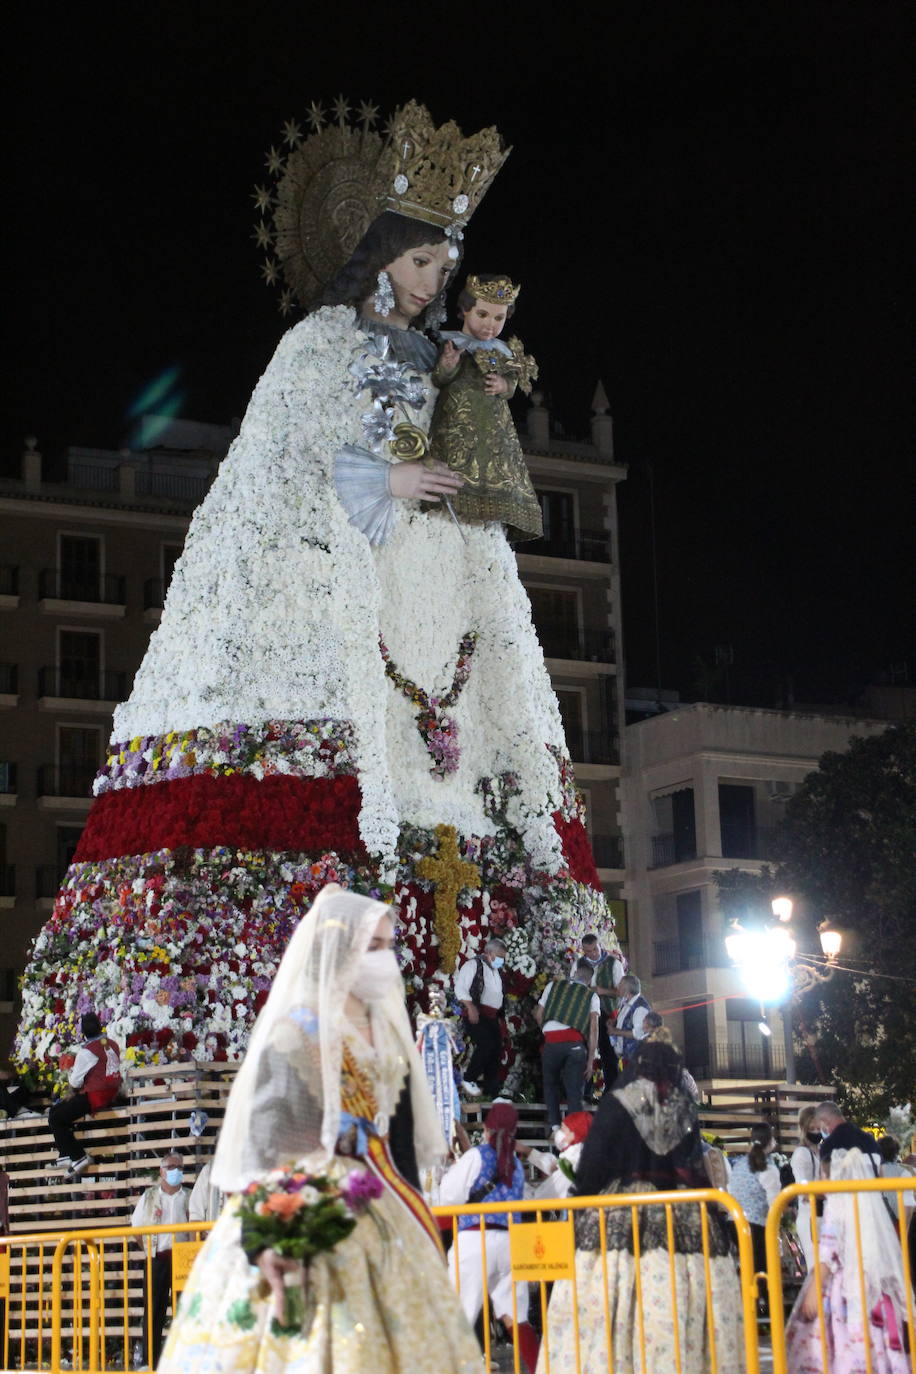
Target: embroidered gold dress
{"points": [[476, 436], [381, 1300]]}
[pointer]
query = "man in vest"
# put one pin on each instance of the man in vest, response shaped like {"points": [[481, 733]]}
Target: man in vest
{"points": [[567, 1012], [162, 1204], [630, 1026], [607, 970], [95, 1077], [479, 989]]}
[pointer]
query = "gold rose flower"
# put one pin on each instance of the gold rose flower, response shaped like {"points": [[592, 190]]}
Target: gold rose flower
{"points": [[409, 443]]}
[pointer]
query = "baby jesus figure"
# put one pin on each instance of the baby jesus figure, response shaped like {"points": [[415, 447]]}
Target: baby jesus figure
{"points": [[472, 429]]}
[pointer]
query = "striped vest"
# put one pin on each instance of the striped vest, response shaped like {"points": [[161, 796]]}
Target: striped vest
{"points": [[570, 1003]]}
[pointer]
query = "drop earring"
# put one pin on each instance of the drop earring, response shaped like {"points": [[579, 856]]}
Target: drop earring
{"points": [[384, 296]]}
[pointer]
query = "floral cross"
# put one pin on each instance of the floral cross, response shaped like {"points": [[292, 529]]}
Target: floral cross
{"points": [[448, 873]]}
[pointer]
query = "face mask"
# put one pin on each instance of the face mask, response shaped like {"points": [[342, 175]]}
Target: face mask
{"points": [[813, 1137], [559, 1139], [173, 1177], [376, 974], [497, 961]]}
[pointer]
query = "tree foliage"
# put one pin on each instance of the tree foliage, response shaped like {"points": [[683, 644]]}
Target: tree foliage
{"points": [[847, 852]]}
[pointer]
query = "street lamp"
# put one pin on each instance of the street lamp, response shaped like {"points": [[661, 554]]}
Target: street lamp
{"points": [[772, 970]]}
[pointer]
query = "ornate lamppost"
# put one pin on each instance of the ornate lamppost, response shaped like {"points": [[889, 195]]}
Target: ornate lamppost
{"points": [[774, 971]]}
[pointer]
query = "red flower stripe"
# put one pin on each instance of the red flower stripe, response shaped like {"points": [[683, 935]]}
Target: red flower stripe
{"points": [[204, 812], [577, 851]]}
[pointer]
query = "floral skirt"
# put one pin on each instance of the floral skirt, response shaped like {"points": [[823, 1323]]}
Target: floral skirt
{"points": [[671, 1321], [846, 1340], [382, 1301]]}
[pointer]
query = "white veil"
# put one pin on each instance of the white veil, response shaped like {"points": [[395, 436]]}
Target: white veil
{"points": [[284, 1106]]}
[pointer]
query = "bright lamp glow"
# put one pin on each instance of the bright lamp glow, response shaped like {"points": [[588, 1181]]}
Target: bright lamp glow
{"points": [[831, 943], [764, 1029], [782, 908], [762, 957]]}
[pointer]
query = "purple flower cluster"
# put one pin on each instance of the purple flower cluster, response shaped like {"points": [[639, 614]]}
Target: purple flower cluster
{"points": [[308, 748], [360, 1188]]}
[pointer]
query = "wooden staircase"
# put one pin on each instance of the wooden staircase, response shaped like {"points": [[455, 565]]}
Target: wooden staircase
{"points": [[126, 1143]]}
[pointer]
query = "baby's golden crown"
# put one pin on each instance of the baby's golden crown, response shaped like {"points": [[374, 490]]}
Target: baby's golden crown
{"points": [[436, 175], [500, 291]]}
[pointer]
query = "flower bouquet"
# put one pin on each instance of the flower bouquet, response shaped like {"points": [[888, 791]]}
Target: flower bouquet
{"points": [[299, 1215]]}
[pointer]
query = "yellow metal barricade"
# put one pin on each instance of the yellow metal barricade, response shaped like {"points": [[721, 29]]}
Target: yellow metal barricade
{"points": [[542, 1251], [97, 1287], [111, 1306], [25, 1270], [894, 1187]]}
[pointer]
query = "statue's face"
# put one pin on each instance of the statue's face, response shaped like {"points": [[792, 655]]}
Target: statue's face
{"points": [[417, 276], [484, 321]]}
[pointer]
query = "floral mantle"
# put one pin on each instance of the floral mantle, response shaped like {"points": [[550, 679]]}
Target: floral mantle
{"points": [[264, 752]]}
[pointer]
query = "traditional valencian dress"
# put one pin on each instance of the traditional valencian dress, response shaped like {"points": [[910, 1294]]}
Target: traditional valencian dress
{"points": [[381, 1300], [853, 1346], [315, 706], [639, 1143], [314, 1095]]}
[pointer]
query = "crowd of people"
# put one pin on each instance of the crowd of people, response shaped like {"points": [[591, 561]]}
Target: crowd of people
{"points": [[333, 1070]]}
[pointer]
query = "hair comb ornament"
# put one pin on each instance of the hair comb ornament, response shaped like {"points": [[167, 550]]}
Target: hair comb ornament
{"points": [[325, 187]]}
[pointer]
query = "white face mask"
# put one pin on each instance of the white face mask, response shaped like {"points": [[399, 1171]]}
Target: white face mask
{"points": [[560, 1139], [376, 974]]}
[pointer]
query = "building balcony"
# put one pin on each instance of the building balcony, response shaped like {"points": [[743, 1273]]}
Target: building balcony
{"points": [[582, 646], [60, 590], [153, 600], [593, 746], [728, 1059], [9, 685], [679, 956], [66, 786], [9, 586], [589, 546], [47, 882], [64, 689], [7, 884], [8, 787], [153, 594], [608, 851], [187, 488], [671, 849], [747, 842]]}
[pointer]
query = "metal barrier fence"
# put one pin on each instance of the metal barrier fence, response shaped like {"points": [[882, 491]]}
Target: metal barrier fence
{"points": [[82, 1299], [543, 1251], [825, 1188]]}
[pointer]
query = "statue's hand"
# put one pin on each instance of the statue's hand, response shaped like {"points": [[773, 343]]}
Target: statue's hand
{"points": [[417, 482], [449, 358]]}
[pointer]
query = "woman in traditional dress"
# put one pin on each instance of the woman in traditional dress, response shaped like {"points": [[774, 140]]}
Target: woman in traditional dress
{"points": [[849, 1267], [346, 683], [331, 1071], [645, 1138]]}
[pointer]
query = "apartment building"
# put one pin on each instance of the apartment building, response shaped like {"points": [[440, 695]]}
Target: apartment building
{"points": [[703, 788]]}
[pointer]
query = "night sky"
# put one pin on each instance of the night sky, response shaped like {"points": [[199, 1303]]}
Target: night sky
{"points": [[710, 207]]}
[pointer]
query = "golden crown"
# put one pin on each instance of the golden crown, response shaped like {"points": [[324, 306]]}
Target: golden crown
{"points": [[325, 186], [436, 175], [498, 292]]}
